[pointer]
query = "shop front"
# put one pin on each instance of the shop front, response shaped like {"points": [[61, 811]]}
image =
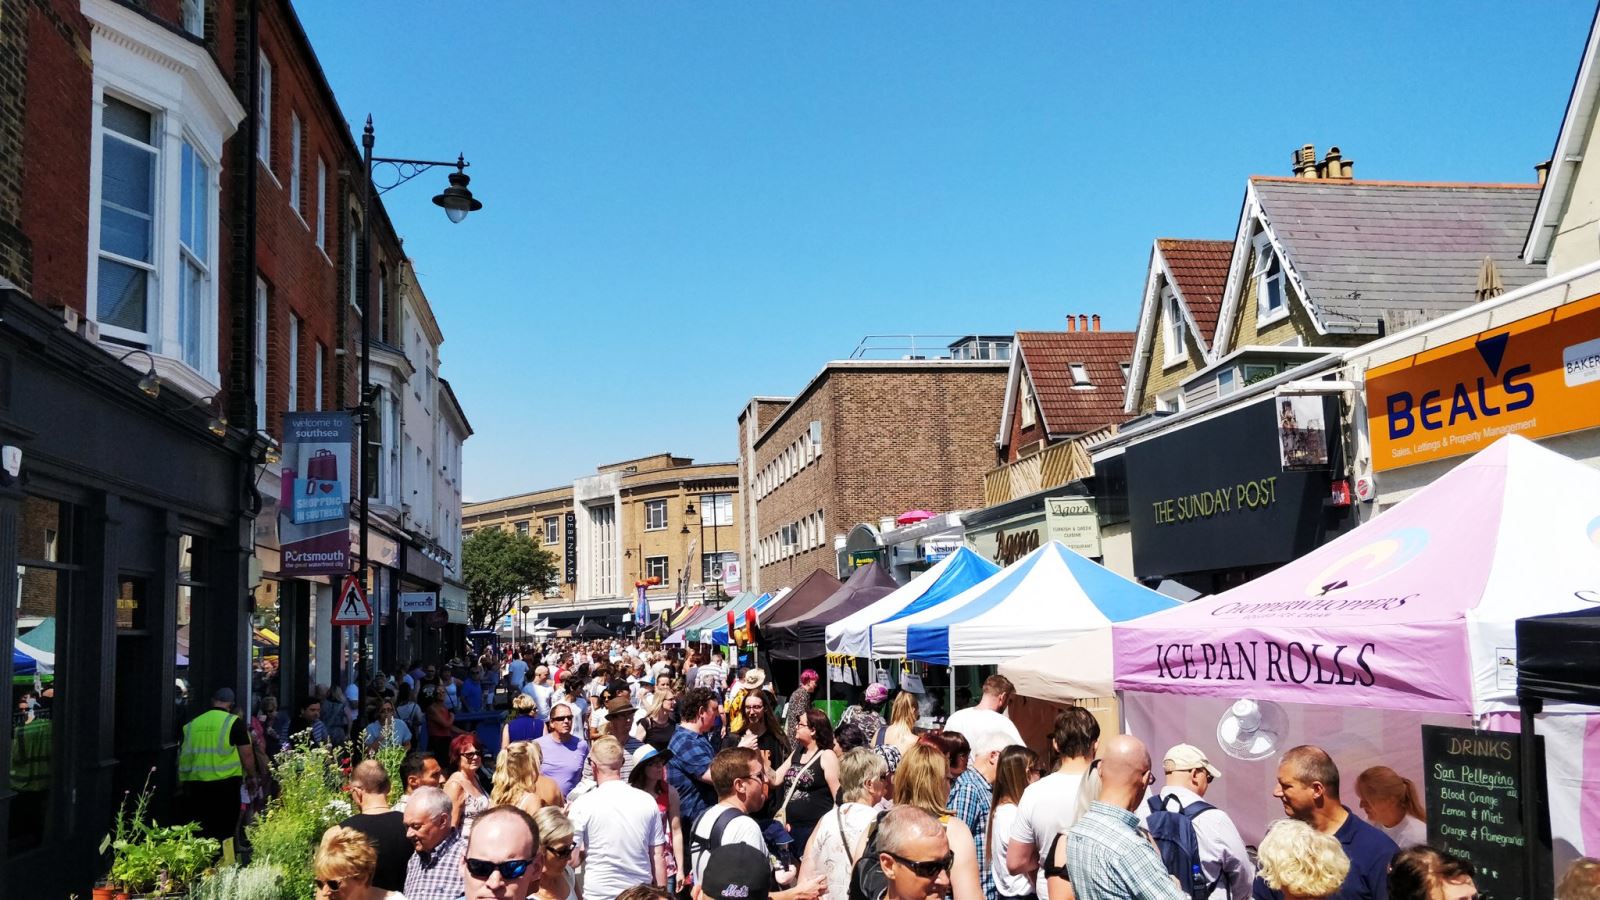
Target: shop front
{"points": [[1217, 501], [127, 524], [1009, 531]]}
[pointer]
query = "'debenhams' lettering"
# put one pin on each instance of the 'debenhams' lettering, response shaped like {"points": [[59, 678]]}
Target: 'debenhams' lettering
{"points": [[1292, 662], [1405, 411]]}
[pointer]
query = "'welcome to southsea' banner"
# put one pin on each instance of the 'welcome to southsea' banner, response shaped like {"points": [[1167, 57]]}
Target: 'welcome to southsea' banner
{"points": [[314, 501]]}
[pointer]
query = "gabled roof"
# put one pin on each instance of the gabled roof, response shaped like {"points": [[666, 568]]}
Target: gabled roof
{"points": [[1197, 271], [1046, 358], [1368, 252], [1568, 153]]}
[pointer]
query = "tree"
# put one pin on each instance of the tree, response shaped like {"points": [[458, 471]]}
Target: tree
{"points": [[500, 568]]}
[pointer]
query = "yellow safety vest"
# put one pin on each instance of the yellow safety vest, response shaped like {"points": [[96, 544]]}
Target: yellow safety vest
{"points": [[206, 754]]}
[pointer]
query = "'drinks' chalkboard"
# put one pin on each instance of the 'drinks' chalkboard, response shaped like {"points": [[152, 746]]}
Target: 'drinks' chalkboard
{"points": [[1473, 792]]}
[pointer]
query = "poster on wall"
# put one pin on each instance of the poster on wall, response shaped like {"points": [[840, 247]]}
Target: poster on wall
{"points": [[1302, 433], [314, 497]]}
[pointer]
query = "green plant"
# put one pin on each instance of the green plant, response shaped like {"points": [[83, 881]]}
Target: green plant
{"points": [[391, 756], [311, 798], [157, 859], [257, 881]]}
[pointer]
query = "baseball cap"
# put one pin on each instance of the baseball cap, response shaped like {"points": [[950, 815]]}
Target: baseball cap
{"points": [[1187, 756], [736, 872]]}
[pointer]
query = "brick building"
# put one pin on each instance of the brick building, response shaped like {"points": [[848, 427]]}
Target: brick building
{"points": [[661, 516], [865, 439], [178, 224]]}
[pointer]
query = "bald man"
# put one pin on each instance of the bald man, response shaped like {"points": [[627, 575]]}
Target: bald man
{"points": [[503, 861], [1107, 853]]}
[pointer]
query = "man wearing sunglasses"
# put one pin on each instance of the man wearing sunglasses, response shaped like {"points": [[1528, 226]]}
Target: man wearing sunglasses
{"points": [[502, 861], [914, 853]]}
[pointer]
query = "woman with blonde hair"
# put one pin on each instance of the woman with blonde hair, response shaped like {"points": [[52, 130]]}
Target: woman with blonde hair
{"points": [[923, 781], [557, 842], [902, 730], [516, 777], [343, 866], [522, 724], [1017, 768], [1301, 862], [837, 841], [655, 727], [1391, 803]]}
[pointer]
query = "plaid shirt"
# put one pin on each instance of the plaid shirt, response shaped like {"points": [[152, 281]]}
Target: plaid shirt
{"points": [[436, 874], [969, 800], [1110, 857]]}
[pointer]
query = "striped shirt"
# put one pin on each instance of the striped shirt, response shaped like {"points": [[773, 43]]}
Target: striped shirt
{"points": [[969, 800], [1110, 857]]}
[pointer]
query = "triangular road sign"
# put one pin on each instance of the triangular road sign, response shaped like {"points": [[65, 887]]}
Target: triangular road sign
{"points": [[352, 608]]}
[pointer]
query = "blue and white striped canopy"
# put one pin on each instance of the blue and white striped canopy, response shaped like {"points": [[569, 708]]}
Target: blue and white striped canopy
{"points": [[1046, 597], [949, 577], [719, 635]]}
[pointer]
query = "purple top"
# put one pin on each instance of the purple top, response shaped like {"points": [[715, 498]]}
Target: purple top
{"points": [[563, 762]]}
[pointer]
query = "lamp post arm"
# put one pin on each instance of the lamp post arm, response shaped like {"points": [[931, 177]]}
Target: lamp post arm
{"points": [[398, 171]]}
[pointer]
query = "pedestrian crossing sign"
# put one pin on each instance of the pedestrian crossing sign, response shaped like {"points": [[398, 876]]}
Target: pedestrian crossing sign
{"points": [[352, 608]]}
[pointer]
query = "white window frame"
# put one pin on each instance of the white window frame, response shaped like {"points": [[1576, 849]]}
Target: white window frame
{"points": [[152, 66], [296, 143], [1027, 415], [1227, 382], [353, 262], [263, 298], [658, 567], [1245, 372], [1080, 375], [322, 205], [552, 529], [1170, 401], [1173, 330], [193, 13], [712, 508], [293, 381], [316, 374], [264, 110], [651, 508], [1265, 257]]}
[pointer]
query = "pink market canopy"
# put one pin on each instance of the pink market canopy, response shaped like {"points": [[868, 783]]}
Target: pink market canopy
{"points": [[1414, 610]]}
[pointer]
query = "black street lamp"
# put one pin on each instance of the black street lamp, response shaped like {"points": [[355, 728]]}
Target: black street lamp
{"points": [[457, 201]]}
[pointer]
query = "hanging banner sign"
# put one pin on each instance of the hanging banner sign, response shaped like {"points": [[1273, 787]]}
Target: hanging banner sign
{"points": [[314, 494], [1537, 376]]}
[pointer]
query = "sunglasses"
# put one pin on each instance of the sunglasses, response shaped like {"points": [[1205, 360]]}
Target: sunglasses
{"points": [[510, 870], [331, 884], [561, 852], [926, 868], [561, 718], [472, 754]]}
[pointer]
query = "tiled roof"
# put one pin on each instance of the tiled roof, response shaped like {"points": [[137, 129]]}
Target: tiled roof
{"points": [[1395, 251], [1049, 355], [1200, 269]]}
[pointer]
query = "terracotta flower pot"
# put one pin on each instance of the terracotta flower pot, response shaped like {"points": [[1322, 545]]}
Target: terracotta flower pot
{"points": [[104, 893]]}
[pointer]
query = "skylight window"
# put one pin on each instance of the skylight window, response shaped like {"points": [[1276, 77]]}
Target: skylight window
{"points": [[1080, 375]]}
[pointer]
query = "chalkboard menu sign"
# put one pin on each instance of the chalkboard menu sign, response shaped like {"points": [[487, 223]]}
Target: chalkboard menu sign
{"points": [[1473, 793]]}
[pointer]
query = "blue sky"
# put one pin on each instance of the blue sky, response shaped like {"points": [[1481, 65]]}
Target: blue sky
{"points": [[688, 204]]}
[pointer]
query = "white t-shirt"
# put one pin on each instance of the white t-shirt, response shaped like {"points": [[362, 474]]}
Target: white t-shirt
{"points": [[1049, 806], [618, 826], [1410, 832], [975, 720], [1007, 885], [741, 829]]}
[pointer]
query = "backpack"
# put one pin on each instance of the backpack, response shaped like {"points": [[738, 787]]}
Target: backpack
{"points": [[701, 845], [1174, 835], [867, 881]]}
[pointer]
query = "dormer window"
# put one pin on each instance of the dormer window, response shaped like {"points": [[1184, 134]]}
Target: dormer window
{"points": [[1172, 327], [1080, 375], [1271, 300], [1027, 413]]}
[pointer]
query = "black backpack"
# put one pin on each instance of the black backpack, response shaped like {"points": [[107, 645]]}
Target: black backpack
{"points": [[867, 881], [700, 845], [1174, 835]]}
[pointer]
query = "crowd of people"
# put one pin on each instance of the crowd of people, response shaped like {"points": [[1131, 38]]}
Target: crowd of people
{"points": [[630, 772]]}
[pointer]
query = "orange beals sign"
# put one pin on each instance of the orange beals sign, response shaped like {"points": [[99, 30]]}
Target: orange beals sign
{"points": [[1535, 377]]}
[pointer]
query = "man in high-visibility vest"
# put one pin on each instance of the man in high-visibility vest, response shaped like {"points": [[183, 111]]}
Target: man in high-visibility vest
{"points": [[212, 764]]}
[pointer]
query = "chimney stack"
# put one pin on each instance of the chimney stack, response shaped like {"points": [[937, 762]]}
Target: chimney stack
{"points": [[1305, 162], [1096, 320], [1543, 171], [1072, 322], [1083, 322], [1335, 166]]}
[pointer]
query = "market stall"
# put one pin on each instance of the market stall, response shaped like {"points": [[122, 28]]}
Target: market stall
{"points": [[1408, 620], [798, 633], [720, 634], [699, 633], [852, 635]]}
